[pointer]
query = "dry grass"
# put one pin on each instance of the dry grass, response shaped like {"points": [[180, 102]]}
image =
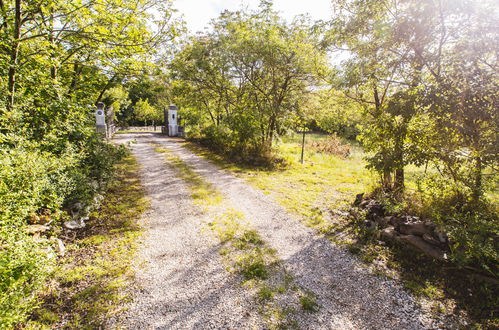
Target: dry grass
{"points": [[332, 145]]}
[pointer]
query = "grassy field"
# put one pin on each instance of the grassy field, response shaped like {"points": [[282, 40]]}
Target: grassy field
{"points": [[321, 182]]}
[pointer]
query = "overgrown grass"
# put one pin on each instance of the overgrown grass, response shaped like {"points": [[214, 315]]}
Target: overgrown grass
{"points": [[244, 250], [308, 302], [86, 289], [324, 182]]}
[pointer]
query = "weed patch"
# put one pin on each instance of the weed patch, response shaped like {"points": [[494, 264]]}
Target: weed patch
{"points": [[308, 302], [331, 145], [265, 293]]}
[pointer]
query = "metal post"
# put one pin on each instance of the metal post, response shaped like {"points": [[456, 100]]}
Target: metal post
{"points": [[302, 146]]}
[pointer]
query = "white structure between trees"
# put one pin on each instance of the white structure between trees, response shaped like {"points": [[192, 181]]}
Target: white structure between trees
{"points": [[172, 120], [100, 118]]}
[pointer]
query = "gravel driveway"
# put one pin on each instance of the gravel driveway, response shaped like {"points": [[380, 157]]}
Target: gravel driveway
{"points": [[184, 285], [180, 280]]}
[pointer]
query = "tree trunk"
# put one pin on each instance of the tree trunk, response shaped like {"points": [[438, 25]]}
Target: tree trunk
{"points": [[106, 87], [14, 55], [477, 187], [51, 40], [399, 179], [398, 183], [77, 70], [387, 179]]}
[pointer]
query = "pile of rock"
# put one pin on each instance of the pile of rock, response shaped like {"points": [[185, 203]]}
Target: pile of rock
{"points": [[39, 226], [80, 213], [405, 229]]}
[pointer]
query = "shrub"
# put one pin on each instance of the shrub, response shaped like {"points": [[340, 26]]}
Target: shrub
{"points": [[239, 145], [35, 182], [472, 226], [29, 180], [24, 266]]}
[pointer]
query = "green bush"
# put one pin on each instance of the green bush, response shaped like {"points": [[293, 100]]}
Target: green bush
{"points": [[24, 266], [239, 144], [35, 182], [472, 226], [29, 180]]}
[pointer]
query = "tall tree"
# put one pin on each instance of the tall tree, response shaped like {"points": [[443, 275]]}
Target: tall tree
{"points": [[250, 75], [404, 56]]}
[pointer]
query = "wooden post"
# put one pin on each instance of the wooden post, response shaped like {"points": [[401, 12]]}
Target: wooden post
{"points": [[302, 146]]}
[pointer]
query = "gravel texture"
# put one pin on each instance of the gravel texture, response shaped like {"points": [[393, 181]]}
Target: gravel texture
{"points": [[183, 284], [180, 281], [349, 295]]}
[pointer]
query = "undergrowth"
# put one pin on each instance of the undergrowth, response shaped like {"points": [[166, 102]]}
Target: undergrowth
{"points": [[86, 289], [457, 294]]}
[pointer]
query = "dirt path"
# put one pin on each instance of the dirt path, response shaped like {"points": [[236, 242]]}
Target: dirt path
{"points": [[185, 286], [181, 283]]}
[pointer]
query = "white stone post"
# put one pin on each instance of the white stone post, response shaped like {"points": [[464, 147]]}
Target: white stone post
{"points": [[172, 120], [100, 119]]}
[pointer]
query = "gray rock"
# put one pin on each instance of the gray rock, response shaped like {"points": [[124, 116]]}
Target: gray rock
{"points": [[442, 237], [430, 239], [74, 224], [417, 228], [59, 247], [369, 224], [358, 199], [363, 204], [382, 221], [430, 225], [388, 233], [423, 246], [374, 209], [32, 229], [396, 221]]}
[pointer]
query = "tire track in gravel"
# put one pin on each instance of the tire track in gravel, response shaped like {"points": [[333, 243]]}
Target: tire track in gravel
{"points": [[349, 295], [180, 281]]}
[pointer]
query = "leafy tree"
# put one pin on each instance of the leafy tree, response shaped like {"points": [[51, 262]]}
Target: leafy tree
{"points": [[426, 73], [144, 111], [57, 58], [382, 76], [248, 77], [117, 99], [331, 111], [401, 52]]}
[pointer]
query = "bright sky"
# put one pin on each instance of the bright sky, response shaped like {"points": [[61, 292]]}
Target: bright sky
{"points": [[198, 13]]}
